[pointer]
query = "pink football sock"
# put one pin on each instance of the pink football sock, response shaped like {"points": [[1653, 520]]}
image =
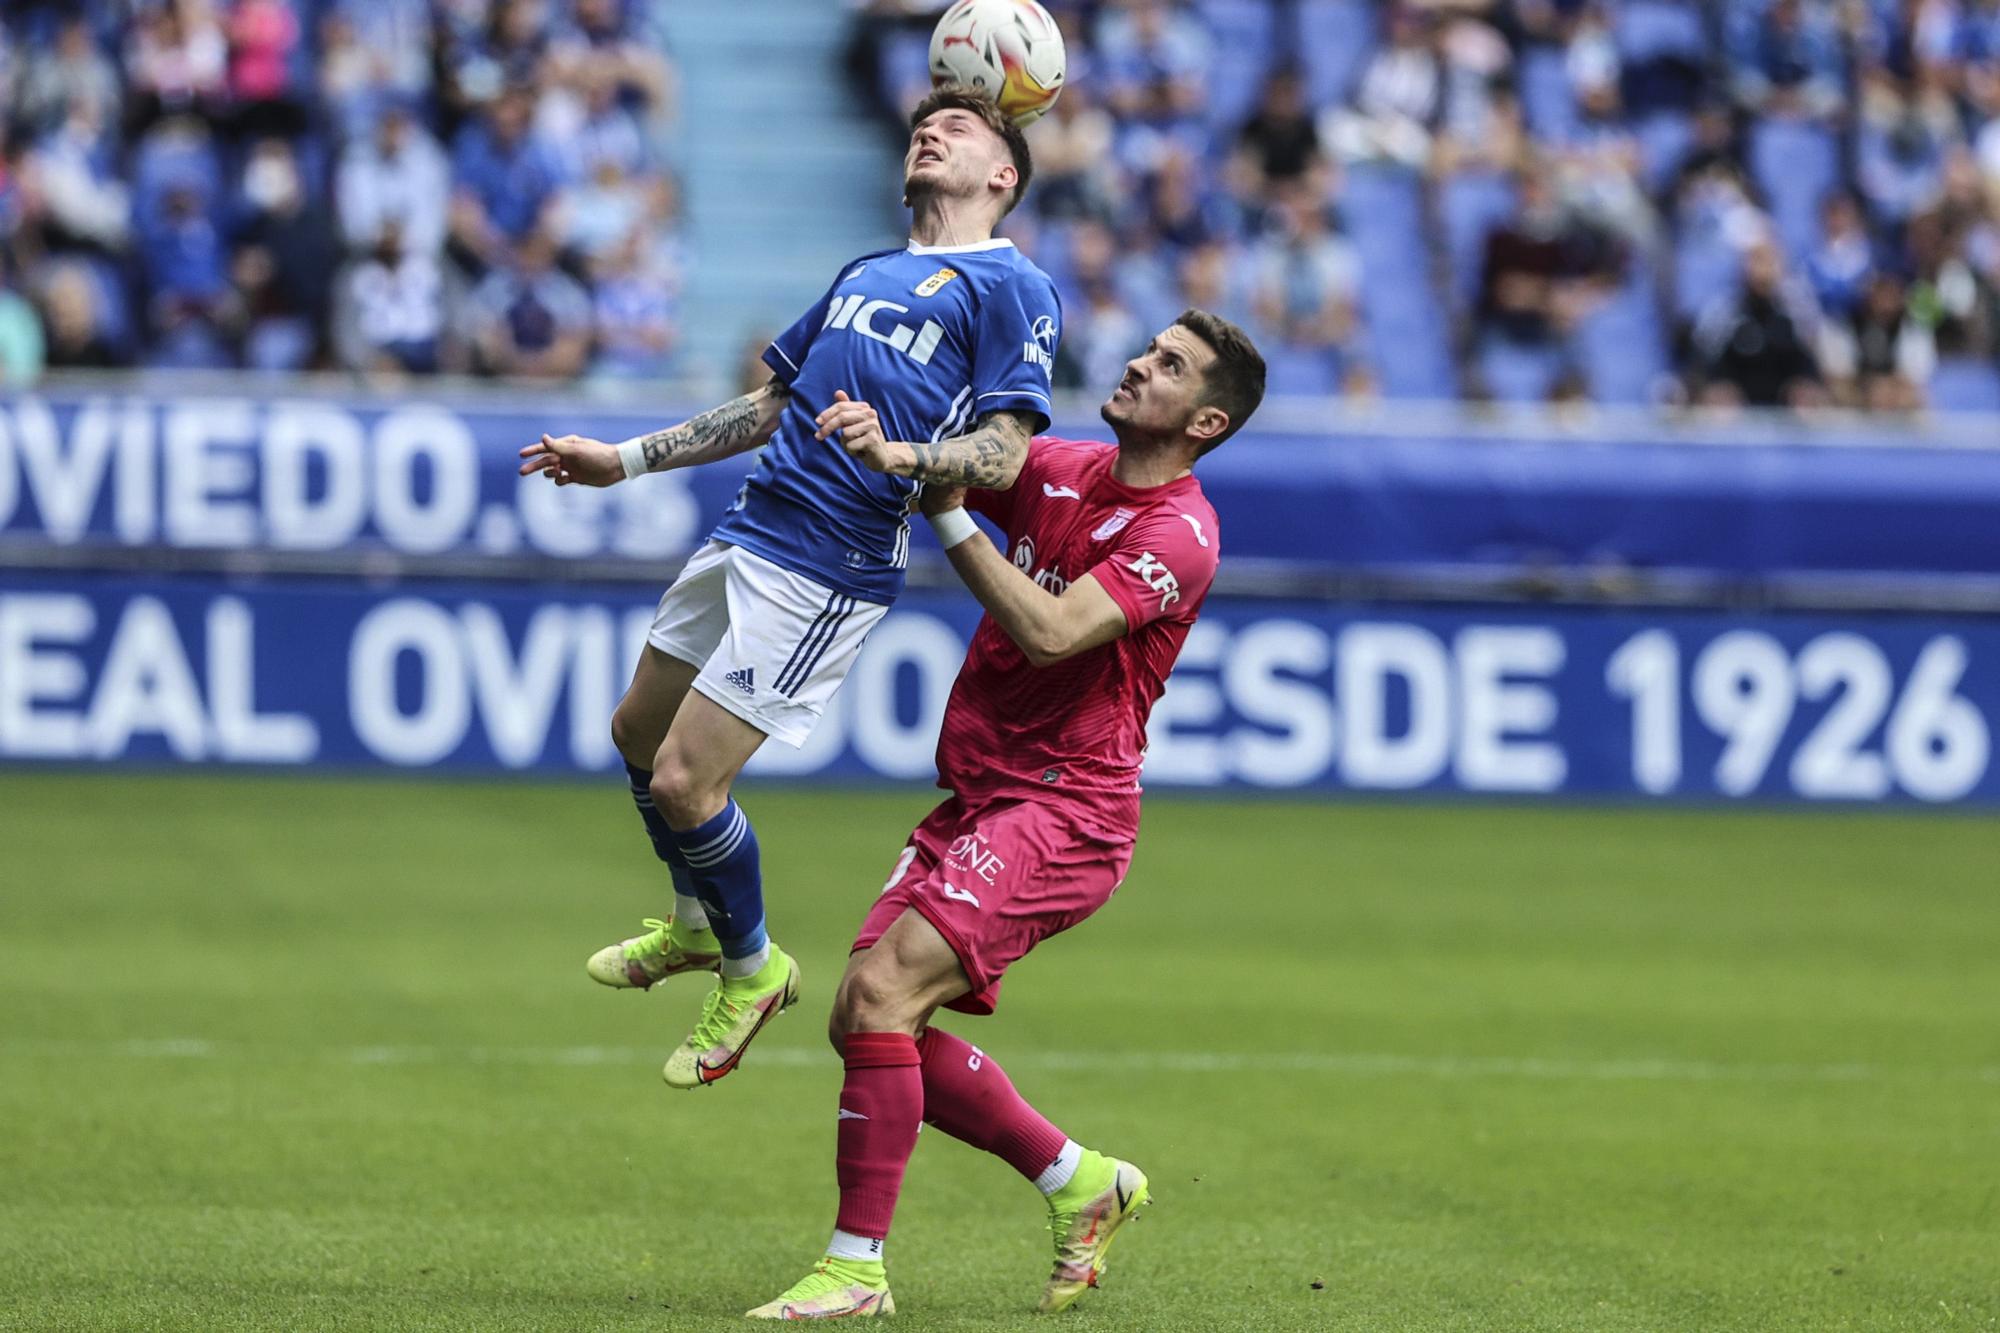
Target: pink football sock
{"points": [[969, 1096], [881, 1105]]}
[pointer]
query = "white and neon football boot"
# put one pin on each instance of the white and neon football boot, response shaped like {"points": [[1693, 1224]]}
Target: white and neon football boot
{"points": [[731, 1017], [835, 1289], [665, 950], [1085, 1217]]}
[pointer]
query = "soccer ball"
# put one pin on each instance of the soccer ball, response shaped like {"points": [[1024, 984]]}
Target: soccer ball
{"points": [[1011, 50]]}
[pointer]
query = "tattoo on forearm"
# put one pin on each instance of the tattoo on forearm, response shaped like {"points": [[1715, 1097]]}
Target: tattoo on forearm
{"points": [[988, 455], [716, 433]]}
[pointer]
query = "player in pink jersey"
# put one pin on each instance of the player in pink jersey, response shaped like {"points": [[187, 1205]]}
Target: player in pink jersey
{"points": [[1110, 550]]}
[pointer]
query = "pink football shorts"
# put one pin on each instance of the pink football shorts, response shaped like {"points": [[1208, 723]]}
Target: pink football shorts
{"points": [[997, 877]]}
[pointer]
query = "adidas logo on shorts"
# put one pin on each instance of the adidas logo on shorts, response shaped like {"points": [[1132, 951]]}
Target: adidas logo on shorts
{"points": [[744, 679]]}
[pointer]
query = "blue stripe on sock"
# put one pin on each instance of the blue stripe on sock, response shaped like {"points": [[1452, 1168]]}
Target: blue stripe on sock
{"points": [[720, 854], [723, 864], [714, 846]]}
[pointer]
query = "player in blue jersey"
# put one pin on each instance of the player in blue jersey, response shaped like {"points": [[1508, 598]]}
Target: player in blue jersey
{"points": [[951, 339]]}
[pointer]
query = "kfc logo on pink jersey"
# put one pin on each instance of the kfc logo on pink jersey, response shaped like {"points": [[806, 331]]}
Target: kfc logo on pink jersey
{"points": [[1158, 577]]}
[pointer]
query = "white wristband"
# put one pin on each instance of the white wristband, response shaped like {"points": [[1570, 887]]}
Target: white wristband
{"points": [[953, 526], [632, 454]]}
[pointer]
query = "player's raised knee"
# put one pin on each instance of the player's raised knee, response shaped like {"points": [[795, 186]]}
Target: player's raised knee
{"points": [[683, 795], [839, 1021], [872, 998], [673, 788]]}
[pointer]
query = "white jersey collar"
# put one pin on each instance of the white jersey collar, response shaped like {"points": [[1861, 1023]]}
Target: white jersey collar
{"points": [[997, 243]]}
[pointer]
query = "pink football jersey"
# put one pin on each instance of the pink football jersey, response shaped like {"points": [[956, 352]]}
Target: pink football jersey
{"points": [[1074, 732]]}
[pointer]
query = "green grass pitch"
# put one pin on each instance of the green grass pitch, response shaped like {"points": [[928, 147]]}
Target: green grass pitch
{"points": [[285, 1053]]}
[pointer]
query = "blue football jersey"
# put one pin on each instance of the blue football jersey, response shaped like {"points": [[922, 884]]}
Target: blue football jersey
{"points": [[933, 337]]}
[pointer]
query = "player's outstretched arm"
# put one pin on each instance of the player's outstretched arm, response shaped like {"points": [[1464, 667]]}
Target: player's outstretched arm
{"points": [[739, 424], [988, 456], [1046, 626]]}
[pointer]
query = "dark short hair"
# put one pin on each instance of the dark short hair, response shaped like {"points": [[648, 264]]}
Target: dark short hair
{"points": [[1234, 381], [959, 97]]}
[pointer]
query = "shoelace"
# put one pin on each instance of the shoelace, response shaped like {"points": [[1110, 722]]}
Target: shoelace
{"points": [[1061, 1223], [654, 941], [718, 1015]]}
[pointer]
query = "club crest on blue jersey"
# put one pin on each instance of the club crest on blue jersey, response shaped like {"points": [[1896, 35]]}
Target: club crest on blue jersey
{"points": [[934, 284]]}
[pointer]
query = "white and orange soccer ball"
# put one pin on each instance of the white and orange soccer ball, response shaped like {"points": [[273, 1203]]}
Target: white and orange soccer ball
{"points": [[1011, 50]]}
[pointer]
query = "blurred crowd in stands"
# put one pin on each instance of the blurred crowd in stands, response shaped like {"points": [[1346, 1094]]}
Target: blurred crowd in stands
{"points": [[382, 186], [1764, 202], [1767, 202]]}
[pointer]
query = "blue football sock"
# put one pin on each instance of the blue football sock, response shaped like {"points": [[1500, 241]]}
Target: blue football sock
{"points": [[687, 905], [722, 858]]}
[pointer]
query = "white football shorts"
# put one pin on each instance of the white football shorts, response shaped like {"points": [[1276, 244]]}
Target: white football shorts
{"points": [[773, 646]]}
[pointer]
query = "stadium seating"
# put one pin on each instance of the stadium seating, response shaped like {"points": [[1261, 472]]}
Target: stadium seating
{"points": [[133, 130], [1245, 33], [1470, 205], [1619, 348], [1334, 41], [1678, 136], [1796, 164]]}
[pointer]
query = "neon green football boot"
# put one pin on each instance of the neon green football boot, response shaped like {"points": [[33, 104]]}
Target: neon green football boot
{"points": [[663, 951], [731, 1017], [1085, 1216], [835, 1289]]}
